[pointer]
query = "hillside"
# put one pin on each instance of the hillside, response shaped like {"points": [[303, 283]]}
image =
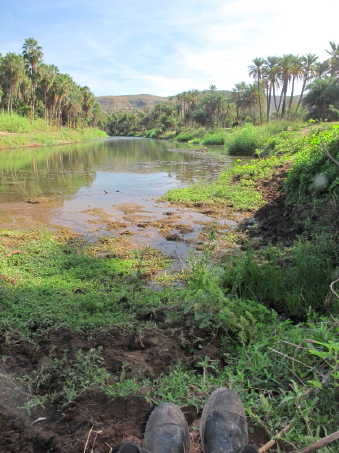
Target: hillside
{"points": [[134, 101]]}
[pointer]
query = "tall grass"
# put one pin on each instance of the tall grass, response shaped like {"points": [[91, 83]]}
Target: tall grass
{"points": [[291, 281], [190, 134], [19, 124], [215, 138], [247, 140]]}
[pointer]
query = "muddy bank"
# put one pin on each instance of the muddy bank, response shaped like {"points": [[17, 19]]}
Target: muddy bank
{"points": [[93, 421]]}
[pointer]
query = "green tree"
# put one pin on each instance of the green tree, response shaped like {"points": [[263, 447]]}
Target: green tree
{"points": [[60, 89], [33, 55], [334, 59], [322, 94], [256, 71], [296, 73], [271, 75], [12, 70], [48, 72], [286, 68], [308, 70]]}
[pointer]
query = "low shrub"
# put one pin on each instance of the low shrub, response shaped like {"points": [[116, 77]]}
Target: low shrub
{"points": [[247, 140], [214, 138]]}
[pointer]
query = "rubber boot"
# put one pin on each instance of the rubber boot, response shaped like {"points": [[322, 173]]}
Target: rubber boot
{"points": [[166, 431], [130, 447], [223, 427]]}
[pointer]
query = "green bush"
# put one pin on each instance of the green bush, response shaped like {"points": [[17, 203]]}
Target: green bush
{"points": [[290, 281], [214, 138], [314, 172], [247, 140]]}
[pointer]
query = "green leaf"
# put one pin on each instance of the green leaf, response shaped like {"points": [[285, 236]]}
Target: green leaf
{"points": [[187, 308], [204, 323]]}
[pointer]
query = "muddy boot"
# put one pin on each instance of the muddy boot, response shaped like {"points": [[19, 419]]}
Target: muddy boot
{"points": [[167, 431], [223, 427], [130, 447]]}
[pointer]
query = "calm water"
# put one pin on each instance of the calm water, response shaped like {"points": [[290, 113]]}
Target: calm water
{"points": [[91, 184]]}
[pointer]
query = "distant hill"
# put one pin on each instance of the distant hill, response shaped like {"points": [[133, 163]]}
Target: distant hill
{"points": [[133, 101]]}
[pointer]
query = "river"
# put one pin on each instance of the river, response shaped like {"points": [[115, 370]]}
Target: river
{"points": [[108, 187]]}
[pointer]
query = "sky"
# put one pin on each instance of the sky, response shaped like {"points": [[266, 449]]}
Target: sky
{"points": [[120, 47]]}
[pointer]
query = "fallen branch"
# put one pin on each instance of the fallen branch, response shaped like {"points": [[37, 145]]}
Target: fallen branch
{"points": [[291, 358], [320, 443], [331, 286], [15, 252], [272, 442], [328, 154]]}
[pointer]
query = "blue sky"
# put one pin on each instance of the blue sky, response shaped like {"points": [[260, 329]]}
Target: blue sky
{"points": [[159, 47]]}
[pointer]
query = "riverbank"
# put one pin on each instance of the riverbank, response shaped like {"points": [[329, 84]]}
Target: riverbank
{"points": [[91, 341], [36, 139], [17, 132]]}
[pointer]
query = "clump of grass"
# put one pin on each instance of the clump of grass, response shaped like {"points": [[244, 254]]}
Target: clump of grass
{"points": [[14, 123], [215, 138], [291, 281], [190, 134], [247, 140], [243, 196]]}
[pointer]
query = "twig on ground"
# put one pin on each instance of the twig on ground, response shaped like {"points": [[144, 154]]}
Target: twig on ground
{"points": [[110, 448], [328, 154], [272, 442], [291, 358], [319, 444], [331, 286], [88, 436], [14, 252]]}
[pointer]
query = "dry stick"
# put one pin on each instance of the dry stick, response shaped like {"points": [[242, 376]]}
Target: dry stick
{"points": [[14, 252], [331, 286], [89, 434], [110, 448], [291, 358], [272, 442], [320, 443]]}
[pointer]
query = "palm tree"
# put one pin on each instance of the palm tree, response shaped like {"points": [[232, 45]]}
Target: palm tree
{"points": [[72, 106], [48, 72], [322, 94], [271, 73], [334, 59], [286, 67], [308, 71], [237, 92], [250, 99], [12, 69], [33, 55], [256, 71], [322, 69], [296, 73], [61, 88], [87, 101]]}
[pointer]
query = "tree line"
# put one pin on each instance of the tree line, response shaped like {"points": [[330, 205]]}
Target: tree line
{"points": [[30, 87], [271, 96]]}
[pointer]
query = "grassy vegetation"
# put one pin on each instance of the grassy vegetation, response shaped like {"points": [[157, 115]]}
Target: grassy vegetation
{"points": [[269, 307], [284, 373], [55, 283], [18, 132]]}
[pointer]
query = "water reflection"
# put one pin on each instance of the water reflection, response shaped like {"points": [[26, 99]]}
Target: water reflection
{"points": [[114, 164], [108, 187]]}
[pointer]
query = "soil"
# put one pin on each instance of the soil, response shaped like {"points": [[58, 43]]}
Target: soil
{"points": [[95, 421]]}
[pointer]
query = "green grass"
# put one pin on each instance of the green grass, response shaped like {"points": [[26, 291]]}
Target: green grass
{"points": [[215, 138], [243, 197], [60, 284], [291, 281]]}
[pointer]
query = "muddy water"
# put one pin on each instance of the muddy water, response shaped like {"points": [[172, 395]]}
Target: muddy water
{"points": [[108, 187]]}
